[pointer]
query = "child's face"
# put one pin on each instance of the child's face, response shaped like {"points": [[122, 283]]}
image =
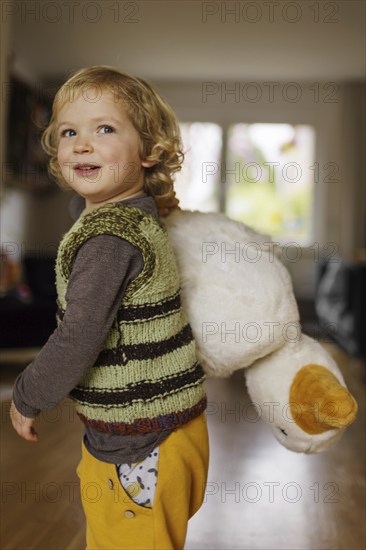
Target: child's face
{"points": [[98, 150]]}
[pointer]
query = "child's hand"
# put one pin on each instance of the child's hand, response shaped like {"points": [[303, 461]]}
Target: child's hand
{"points": [[23, 425], [165, 206]]}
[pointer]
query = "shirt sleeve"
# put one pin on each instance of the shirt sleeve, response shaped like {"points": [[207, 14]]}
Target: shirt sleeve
{"points": [[102, 269]]}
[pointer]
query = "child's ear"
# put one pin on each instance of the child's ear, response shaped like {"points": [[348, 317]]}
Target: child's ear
{"points": [[148, 163]]}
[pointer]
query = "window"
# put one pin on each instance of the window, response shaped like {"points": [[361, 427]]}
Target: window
{"points": [[269, 179], [264, 178]]}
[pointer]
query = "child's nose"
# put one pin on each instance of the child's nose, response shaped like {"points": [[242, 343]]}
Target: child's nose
{"points": [[83, 145]]}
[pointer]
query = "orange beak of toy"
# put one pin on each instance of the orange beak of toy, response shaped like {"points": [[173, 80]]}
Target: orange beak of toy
{"points": [[318, 402]]}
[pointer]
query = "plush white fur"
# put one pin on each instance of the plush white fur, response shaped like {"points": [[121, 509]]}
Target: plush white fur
{"points": [[241, 306], [237, 293]]}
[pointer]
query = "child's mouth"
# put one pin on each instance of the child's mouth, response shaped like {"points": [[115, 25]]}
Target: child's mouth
{"points": [[89, 171]]}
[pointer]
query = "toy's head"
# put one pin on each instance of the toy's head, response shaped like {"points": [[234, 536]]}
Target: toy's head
{"points": [[300, 392]]}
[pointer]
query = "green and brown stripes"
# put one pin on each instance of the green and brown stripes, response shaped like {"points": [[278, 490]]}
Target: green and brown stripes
{"points": [[146, 377], [146, 312], [146, 350], [146, 390]]}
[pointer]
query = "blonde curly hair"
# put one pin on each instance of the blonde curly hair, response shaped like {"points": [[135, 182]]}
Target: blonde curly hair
{"points": [[152, 117]]}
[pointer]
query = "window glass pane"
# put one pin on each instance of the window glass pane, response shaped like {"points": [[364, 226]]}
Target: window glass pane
{"points": [[196, 184], [270, 179]]}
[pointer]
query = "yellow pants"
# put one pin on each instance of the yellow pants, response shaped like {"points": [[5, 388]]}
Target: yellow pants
{"points": [[115, 521]]}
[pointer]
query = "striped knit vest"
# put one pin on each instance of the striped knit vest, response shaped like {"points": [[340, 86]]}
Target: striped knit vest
{"points": [[146, 378]]}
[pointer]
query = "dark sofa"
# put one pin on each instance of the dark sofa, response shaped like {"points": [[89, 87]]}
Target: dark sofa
{"points": [[28, 321], [340, 304]]}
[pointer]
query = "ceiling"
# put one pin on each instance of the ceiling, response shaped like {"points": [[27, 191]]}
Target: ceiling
{"points": [[193, 40]]}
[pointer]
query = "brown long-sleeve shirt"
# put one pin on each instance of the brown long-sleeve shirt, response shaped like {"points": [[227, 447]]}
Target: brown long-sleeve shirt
{"points": [[103, 268]]}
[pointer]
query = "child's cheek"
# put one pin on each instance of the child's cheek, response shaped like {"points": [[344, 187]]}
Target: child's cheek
{"points": [[61, 153], [61, 159]]}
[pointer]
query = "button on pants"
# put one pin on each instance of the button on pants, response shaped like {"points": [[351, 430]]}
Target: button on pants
{"points": [[115, 521]]}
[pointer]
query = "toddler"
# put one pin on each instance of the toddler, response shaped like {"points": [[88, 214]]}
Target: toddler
{"points": [[123, 349]]}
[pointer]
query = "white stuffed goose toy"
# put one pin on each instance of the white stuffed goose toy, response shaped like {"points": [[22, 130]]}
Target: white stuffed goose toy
{"points": [[243, 313]]}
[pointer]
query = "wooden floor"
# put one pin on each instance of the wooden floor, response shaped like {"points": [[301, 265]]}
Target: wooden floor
{"points": [[259, 495]]}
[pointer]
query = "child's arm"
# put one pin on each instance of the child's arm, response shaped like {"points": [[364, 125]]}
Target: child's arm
{"points": [[101, 272]]}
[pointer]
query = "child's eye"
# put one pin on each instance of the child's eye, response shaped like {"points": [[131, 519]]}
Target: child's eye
{"points": [[106, 129], [68, 133]]}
